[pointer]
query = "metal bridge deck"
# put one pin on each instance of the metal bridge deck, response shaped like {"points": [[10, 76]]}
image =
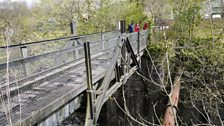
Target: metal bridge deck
{"points": [[63, 88]]}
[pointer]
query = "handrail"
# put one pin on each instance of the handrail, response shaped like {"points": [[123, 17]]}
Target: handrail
{"points": [[42, 41], [52, 40], [61, 51]]}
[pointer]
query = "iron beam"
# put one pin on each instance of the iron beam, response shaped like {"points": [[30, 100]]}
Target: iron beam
{"points": [[90, 104]]}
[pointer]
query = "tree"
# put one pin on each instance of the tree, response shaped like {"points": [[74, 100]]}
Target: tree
{"points": [[13, 15], [158, 9], [107, 13], [196, 55]]}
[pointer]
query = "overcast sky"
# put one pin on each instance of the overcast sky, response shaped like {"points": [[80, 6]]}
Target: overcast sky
{"points": [[29, 2]]}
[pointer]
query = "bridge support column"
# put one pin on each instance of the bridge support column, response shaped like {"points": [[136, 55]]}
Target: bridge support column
{"points": [[135, 91], [114, 116]]}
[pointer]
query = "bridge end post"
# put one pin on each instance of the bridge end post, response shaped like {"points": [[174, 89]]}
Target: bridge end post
{"points": [[122, 26]]}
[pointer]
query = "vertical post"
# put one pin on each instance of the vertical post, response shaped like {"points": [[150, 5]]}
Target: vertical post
{"points": [[77, 53], [123, 54], [128, 61], [118, 27], [90, 107], [122, 26], [123, 49], [75, 43], [102, 41], [103, 45], [138, 46], [72, 27], [117, 73], [24, 53]]}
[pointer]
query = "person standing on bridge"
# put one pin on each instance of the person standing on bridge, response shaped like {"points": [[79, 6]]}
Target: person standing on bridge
{"points": [[137, 27], [145, 26], [131, 28]]}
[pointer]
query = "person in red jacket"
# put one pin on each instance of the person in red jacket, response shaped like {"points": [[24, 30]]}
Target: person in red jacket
{"points": [[137, 27], [145, 26]]}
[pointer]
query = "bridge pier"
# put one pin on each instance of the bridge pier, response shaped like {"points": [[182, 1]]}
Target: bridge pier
{"points": [[114, 116], [135, 92]]}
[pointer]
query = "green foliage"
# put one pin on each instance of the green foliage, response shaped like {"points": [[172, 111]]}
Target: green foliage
{"points": [[134, 13], [13, 16], [187, 17], [159, 49], [106, 17], [189, 43], [205, 26], [51, 18]]}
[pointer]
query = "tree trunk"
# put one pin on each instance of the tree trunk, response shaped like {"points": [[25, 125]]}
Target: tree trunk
{"points": [[171, 110]]}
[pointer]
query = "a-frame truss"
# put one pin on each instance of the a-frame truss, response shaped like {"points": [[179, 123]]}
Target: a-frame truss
{"points": [[123, 56]]}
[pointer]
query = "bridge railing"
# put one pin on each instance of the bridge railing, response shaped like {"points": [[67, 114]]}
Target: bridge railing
{"points": [[136, 38], [34, 59], [26, 60]]}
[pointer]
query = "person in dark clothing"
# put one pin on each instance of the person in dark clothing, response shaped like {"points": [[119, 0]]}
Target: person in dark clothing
{"points": [[131, 28]]}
